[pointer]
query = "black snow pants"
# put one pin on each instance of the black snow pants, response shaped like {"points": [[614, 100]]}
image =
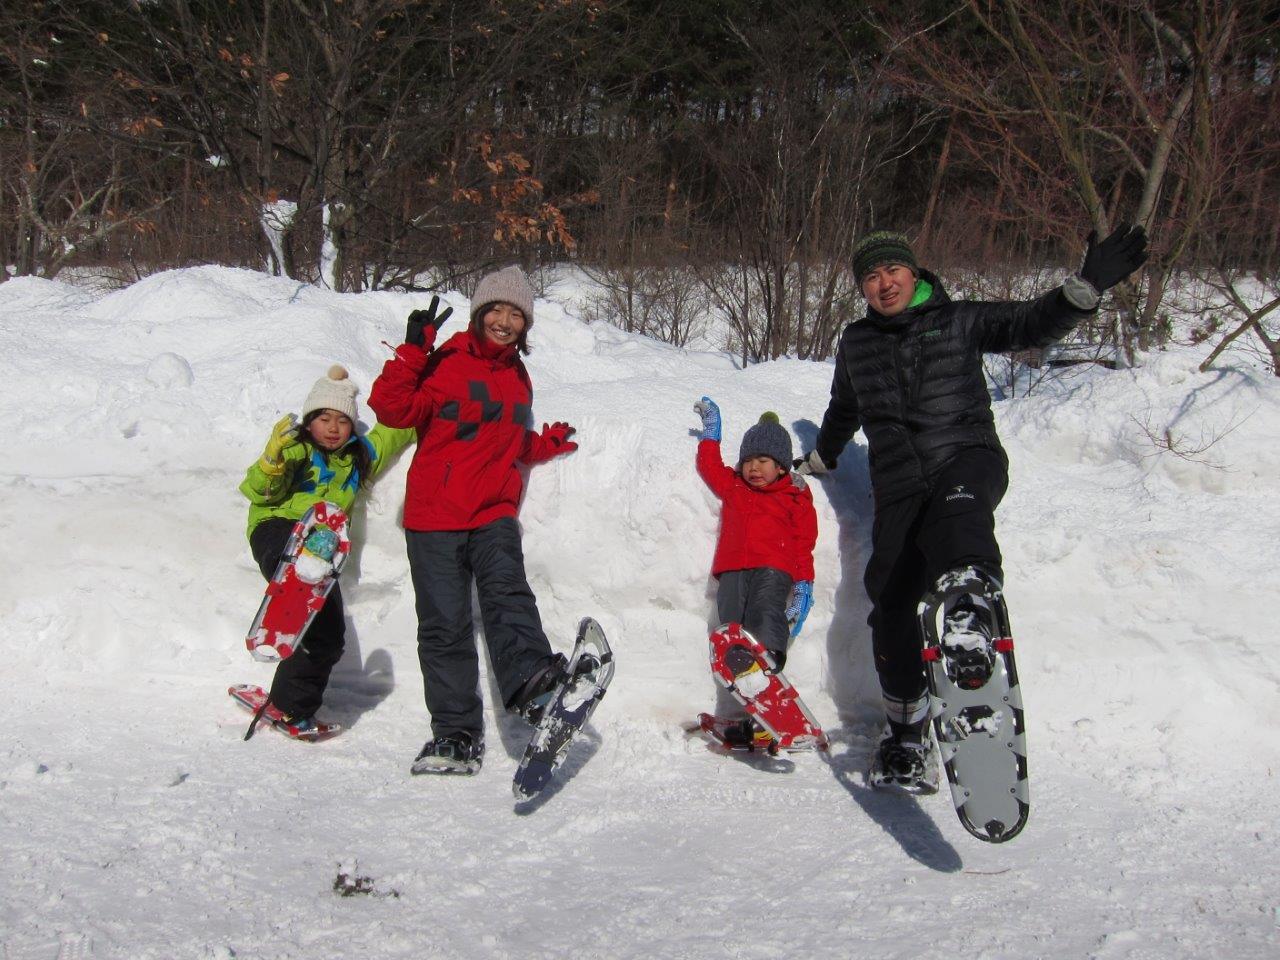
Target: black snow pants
{"points": [[299, 682], [757, 599], [443, 565], [914, 541]]}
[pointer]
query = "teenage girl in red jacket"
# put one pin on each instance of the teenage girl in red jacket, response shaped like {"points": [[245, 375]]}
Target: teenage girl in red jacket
{"points": [[470, 400]]}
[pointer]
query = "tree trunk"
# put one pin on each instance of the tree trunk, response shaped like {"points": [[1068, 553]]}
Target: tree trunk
{"points": [[935, 188]]}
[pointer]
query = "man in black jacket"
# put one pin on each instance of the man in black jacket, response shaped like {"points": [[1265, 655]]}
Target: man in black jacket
{"points": [[910, 375]]}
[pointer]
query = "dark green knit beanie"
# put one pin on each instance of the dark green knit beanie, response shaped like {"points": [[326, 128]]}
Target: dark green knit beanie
{"points": [[881, 247]]}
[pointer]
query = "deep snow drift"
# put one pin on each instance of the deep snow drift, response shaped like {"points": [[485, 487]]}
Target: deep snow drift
{"points": [[134, 822]]}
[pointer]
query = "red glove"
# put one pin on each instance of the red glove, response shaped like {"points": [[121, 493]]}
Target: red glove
{"points": [[556, 437]]}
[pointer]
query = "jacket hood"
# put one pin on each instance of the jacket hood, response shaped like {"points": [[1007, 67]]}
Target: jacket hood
{"points": [[481, 348], [789, 484]]}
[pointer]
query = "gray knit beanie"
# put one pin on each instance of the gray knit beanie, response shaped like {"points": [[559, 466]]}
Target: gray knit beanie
{"points": [[882, 247], [334, 391], [768, 438], [508, 285]]}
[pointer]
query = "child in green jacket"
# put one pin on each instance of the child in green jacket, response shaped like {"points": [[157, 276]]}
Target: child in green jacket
{"points": [[322, 458]]}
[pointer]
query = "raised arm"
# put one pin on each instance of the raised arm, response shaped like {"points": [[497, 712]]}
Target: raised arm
{"points": [[385, 442], [396, 396], [269, 478], [710, 463], [1038, 323]]}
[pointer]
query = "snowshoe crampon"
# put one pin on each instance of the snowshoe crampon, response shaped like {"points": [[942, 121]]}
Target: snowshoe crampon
{"points": [[900, 767], [458, 754], [736, 734]]}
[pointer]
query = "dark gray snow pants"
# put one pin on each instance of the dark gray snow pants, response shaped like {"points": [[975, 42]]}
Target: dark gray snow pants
{"points": [[757, 599], [443, 565]]}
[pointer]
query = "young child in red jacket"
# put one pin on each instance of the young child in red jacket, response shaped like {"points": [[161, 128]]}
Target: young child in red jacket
{"points": [[470, 400], [764, 556]]}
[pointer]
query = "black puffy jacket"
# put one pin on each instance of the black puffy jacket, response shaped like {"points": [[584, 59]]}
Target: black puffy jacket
{"points": [[914, 382]]}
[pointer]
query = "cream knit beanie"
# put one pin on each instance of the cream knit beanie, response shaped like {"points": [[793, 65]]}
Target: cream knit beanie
{"points": [[508, 285], [333, 391]]}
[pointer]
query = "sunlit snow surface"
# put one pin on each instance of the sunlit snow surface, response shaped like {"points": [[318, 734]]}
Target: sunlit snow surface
{"points": [[136, 823]]}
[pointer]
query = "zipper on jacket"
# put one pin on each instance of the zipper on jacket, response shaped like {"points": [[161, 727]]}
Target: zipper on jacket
{"points": [[902, 383], [918, 380], [902, 403]]}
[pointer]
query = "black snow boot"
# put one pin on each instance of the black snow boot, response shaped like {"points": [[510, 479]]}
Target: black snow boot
{"points": [[749, 735], [533, 697], [460, 752], [966, 644], [904, 764]]}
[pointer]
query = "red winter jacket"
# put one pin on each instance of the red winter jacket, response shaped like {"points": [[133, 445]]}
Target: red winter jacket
{"points": [[775, 526], [470, 402]]}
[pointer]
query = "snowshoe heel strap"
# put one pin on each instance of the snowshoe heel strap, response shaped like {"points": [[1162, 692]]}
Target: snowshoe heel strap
{"points": [[257, 716]]}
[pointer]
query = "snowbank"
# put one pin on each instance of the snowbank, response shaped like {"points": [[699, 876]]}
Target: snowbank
{"points": [[1141, 552]]}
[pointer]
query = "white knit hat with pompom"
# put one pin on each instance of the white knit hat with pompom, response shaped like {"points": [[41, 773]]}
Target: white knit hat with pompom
{"points": [[334, 391]]}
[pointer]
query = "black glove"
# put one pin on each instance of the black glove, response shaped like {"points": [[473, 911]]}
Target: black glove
{"points": [[422, 321], [1109, 262]]}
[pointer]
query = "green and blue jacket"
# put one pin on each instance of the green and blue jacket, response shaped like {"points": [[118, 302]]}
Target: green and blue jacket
{"points": [[309, 476]]}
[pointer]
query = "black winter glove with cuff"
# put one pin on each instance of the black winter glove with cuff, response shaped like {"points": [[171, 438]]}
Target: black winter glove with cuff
{"points": [[423, 324], [1108, 262]]}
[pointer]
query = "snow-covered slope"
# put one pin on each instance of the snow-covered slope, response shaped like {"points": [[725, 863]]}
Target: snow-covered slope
{"points": [[134, 822]]}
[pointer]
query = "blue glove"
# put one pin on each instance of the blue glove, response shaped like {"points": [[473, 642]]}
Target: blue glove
{"points": [[799, 605], [706, 408]]}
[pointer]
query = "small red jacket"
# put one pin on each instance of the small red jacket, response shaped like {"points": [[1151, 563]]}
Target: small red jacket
{"points": [[471, 404], [775, 526]]}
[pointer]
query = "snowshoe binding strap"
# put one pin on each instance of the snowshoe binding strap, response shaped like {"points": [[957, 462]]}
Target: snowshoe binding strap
{"points": [[257, 716]]}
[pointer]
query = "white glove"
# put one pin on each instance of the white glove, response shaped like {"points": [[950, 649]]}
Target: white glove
{"points": [[812, 464]]}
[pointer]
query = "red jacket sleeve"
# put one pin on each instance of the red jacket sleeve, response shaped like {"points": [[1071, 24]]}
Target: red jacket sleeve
{"points": [[805, 523], [396, 396], [712, 469], [537, 448]]}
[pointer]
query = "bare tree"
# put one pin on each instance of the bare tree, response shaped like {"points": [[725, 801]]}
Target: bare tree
{"points": [[1120, 93], [353, 112], [1246, 305], [667, 303], [403, 143], [70, 189], [793, 164]]}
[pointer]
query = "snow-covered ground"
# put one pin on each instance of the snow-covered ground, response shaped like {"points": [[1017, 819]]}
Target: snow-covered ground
{"points": [[135, 823]]}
